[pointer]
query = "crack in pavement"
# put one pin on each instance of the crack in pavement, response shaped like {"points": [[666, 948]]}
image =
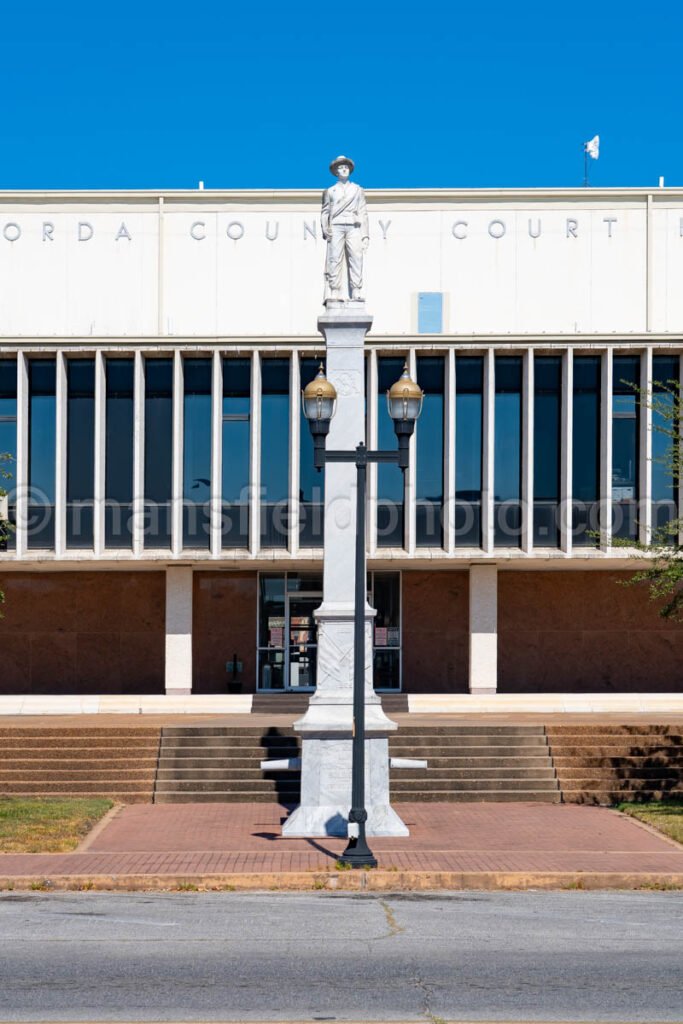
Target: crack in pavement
{"points": [[394, 927]]}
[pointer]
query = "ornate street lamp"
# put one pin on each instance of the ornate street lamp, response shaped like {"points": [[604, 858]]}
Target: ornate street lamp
{"points": [[404, 401]]}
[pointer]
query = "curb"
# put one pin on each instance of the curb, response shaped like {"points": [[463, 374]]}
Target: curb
{"points": [[347, 881]]}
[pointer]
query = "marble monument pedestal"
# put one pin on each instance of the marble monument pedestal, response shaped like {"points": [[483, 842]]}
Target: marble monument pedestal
{"points": [[327, 727]]}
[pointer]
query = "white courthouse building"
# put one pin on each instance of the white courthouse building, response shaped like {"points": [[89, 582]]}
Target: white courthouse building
{"points": [[168, 518]]}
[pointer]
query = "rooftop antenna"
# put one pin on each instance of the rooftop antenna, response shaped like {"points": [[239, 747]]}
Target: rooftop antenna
{"points": [[661, 181]]}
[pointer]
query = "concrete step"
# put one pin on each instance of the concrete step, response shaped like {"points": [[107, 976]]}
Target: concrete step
{"points": [[71, 759], [473, 785], [248, 797], [471, 730], [478, 796], [527, 774], [202, 784], [105, 794], [589, 750], [626, 772], [617, 763], [478, 739], [246, 775], [178, 732], [75, 787], [114, 776], [227, 742], [606, 797], [636, 729], [440, 750], [77, 732], [87, 742]]}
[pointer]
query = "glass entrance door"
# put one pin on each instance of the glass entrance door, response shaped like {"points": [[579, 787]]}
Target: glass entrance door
{"points": [[302, 644]]}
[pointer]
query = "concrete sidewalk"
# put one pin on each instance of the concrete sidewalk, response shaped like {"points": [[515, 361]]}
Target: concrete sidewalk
{"points": [[451, 846]]}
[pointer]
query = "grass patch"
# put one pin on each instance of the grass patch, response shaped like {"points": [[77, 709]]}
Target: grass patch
{"points": [[666, 816], [47, 825]]}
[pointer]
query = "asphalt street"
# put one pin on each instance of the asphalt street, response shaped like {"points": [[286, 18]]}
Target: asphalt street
{"points": [[228, 956]]}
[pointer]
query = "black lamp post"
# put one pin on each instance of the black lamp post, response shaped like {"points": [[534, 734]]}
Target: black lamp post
{"points": [[404, 401]]}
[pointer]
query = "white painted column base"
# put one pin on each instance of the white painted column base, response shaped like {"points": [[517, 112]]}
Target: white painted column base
{"points": [[326, 788], [483, 629], [178, 669]]}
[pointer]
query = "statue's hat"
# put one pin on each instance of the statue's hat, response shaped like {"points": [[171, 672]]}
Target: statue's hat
{"points": [[341, 160]]}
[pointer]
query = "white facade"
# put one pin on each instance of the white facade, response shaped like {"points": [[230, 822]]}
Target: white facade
{"points": [[526, 273], [249, 264]]}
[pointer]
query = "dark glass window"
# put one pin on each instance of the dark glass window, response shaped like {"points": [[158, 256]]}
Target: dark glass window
{"points": [[274, 452], [41, 455], [197, 453], [547, 448], [80, 458], [430, 449], [469, 412], [625, 378], [158, 452], [665, 430], [8, 441], [311, 482], [586, 450], [271, 639], [118, 486], [390, 507], [507, 472], [236, 432], [386, 599]]}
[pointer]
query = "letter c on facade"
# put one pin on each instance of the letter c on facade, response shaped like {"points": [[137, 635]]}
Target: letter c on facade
{"points": [[459, 224], [11, 231], [193, 230]]}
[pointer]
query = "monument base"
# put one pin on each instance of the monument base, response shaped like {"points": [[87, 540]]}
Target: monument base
{"points": [[326, 788]]}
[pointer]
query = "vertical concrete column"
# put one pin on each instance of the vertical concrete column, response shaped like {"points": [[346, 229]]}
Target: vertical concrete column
{"points": [[645, 440], [178, 441], [567, 455], [606, 451], [488, 445], [410, 477], [449, 454], [100, 453], [255, 457], [483, 629], [139, 457], [178, 672], [216, 505], [294, 451], [20, 470], [61, 456], [527, 539], [371, 441]]}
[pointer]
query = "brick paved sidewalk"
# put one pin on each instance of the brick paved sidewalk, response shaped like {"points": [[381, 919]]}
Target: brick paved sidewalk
{"points": [[214, 839]]}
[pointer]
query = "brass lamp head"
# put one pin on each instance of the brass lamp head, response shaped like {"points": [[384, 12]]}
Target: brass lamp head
{"points": [[404, 398], [319, 397]]}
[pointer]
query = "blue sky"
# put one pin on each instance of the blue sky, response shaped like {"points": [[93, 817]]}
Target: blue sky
{"points": [[161, 95]]}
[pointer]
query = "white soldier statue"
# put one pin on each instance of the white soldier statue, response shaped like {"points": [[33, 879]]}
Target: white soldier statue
{"points": [[344, 223]]}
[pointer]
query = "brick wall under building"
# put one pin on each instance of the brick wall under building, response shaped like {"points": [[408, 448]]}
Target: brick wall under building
{"points": [[82, 632], [435, 619], [224, 624], [582, 632]]}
